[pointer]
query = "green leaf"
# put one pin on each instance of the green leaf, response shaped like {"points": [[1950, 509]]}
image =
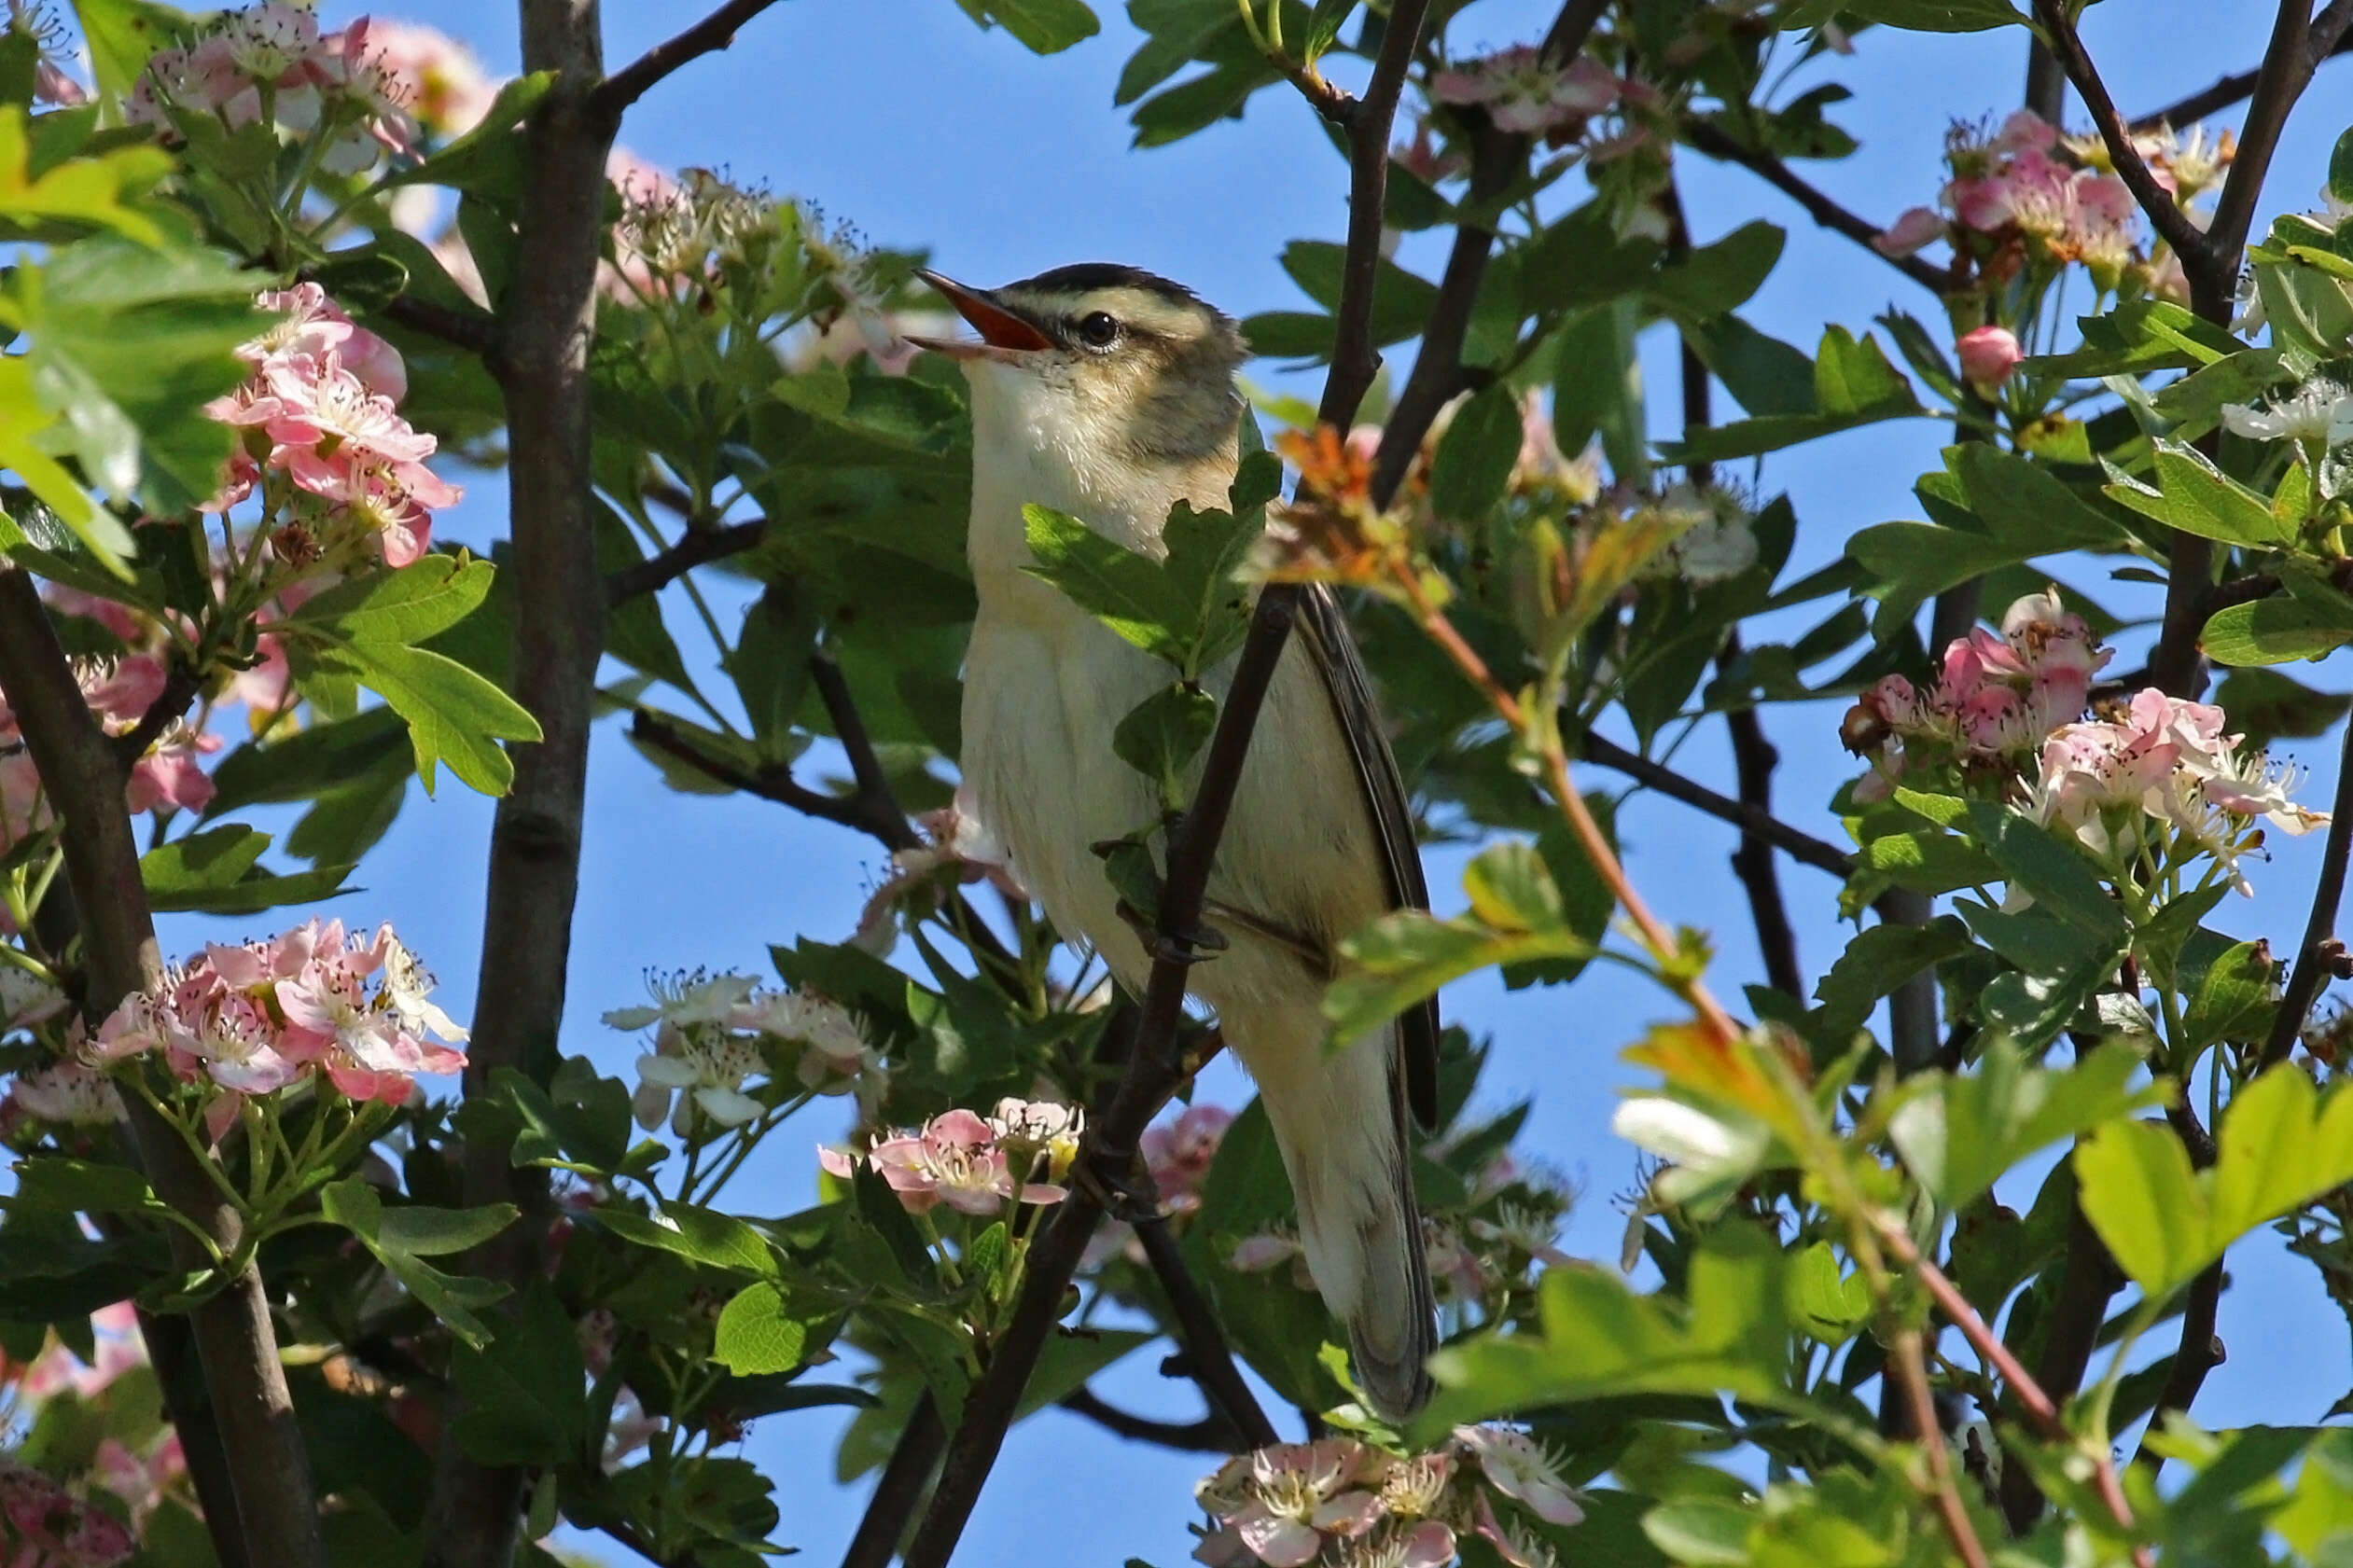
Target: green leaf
{"points": [[486, 155], [1829, 1307], [2274, 630], [123, 36], [1764, 375], [2038, 862], [525, 1393], [2202, 500], [57, 1184], [214, 872], [401, 1238], [2142, 336], [757, 1333], [1161, 735], [1936, 16], [1043, 26], [1958, 1133], [408, 606], [1510, 889], [1473, 464], [697, 1234], [2341, 169], [1597, 387], [2019, 499], [1853, 385], [580, 1120], [1069, 1358], [1582, 260], [1599, 1339], [454, 715], [127, 343], [1126, 591], [2234, 1000], [61, 200], [1877, 961], [2280, 1147], [1721, 276], [1400, 300]]}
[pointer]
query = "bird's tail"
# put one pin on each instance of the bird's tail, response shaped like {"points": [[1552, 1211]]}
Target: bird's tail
{"points": [[1341, 1123]]}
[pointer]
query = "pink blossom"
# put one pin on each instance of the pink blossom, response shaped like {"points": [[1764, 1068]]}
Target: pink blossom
{"points": [[957, 1159], [1988, 354], [1513, 1543], [1913, 231], [51, 85], [116, 1348], [1427, 162], [49, 1528], [67, 1094], [961, 842], [1526, 95], [1178, 1154], [445, 85], [1299, 1493], [314, 325], [2026, 131]]}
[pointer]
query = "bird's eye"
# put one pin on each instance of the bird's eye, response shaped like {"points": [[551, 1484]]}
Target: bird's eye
{"points": [[1099, 329]]}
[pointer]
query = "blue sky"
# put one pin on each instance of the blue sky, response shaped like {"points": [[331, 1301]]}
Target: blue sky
{"points": [[903, 117]]}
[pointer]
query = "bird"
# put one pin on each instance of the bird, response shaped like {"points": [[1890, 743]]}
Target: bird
{"points": [[1109, 393]]}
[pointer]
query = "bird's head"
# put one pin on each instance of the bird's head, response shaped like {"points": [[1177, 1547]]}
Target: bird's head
{"points": [[1113, 358]]}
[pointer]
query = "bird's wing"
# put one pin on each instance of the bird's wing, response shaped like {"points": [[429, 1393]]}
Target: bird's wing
{"points": [[1324, 632]]}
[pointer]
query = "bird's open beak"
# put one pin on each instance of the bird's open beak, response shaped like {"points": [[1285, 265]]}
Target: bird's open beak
{"points": [[1003, 334]]}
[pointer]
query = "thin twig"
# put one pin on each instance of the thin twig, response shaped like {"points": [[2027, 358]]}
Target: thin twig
{"points": [[1154, 1064], [1197, 1327], [2299, 42], [899, 1487], [1912, 1373], [2226, 91], [277, 1510], [2163, 213], [473, 330], [694, 548], [180, 685], [2040, 1412], [849, 728], [544, 335], [633, 81], [1796, 843], [774, 781], [1713, 140], [2318, 955], [1211, 1433]]}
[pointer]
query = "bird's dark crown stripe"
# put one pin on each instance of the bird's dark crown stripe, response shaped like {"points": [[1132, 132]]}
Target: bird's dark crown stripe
{"points": [[1084, 277]]}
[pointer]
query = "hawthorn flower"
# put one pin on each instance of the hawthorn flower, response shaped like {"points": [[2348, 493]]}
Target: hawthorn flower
{"points": [[26, 999], [66, 1094], [1429, 1544], [705, 1074], [1043, 1129], [1512, 1540], [685, 999], [1988, 354], [1698, 1145], [834, 1048], [1525, 1228], [1294, 1496], [1913, 231], [444, 85], [1521, 1468], [1714, 537], [1178, 1154], [955, 1159], [45, 1526], [2319, 412], [959, 842], [1525, 94]]}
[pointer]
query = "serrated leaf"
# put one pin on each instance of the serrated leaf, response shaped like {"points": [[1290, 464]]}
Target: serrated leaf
{"points": [[408, 606], [757, 1335], [1959, 1132], [1473, 467], [526, 1392]]}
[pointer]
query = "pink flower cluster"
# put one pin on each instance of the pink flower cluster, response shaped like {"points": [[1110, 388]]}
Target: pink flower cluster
{"points": [[2168, 763], [329, 83], [256, 1018], [42, 1525], [2009, 201], [1997, 697], [1530, 96], [974, 1164], [438, 78], [320, 409], [119, 692], [1341, 1502]]}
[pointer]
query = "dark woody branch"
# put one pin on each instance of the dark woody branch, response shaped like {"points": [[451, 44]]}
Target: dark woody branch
{"points": [[544, 333], [2230, 90], [1704, 137], [1155, 1066], [276, 1515], [695, 547], [1796, 843], [632, 82], [1210, 1434], [2320, 954]]}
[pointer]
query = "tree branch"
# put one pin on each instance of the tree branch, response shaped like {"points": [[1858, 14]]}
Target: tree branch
{"points": [[849, 728], [1155, 1064], [2299, 42], [1211, 1433], [899, 1487], [180, 685], [2321, 952], [696, 547], [276, 1515], [473, 330], [2163, 213], [1798, 845], [1204, 1341], [544, 337], [1706, 137], [632, 82], [2226, 91]]}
